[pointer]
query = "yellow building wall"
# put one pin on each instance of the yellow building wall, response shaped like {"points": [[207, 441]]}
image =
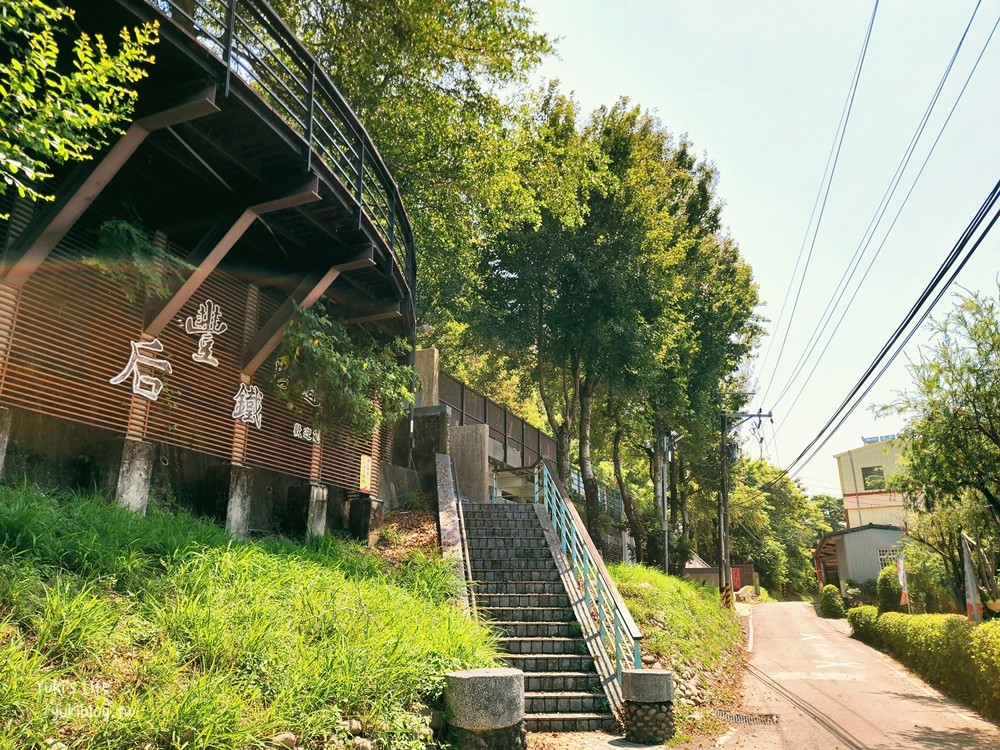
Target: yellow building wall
{"points": [[886, 514]]}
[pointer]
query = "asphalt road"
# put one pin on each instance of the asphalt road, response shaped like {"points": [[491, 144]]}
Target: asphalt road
{"points": [[829, 691]]}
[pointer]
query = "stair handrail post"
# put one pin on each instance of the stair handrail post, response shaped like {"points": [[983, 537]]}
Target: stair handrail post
{"points": [[573, 538], [618, 644]]}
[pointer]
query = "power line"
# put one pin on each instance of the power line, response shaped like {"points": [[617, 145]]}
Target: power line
{"points": [[863, 387], [831, 167], [877, 217], [844, 410]]}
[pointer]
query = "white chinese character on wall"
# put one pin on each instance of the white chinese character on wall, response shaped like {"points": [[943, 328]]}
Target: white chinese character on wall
{"points": [[207, 323], [305, 433], [280, 365], [249, 404], [144, 384]]}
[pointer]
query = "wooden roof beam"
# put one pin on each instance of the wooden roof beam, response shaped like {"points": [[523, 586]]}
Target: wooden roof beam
{"points": [[86, 183], [217, 243]]}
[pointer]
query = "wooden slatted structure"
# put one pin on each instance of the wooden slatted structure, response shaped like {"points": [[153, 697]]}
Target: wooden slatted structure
{"points": [[244, 160]]}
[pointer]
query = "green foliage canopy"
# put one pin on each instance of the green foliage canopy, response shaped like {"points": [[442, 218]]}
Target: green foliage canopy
{"points": [[48, 116]]}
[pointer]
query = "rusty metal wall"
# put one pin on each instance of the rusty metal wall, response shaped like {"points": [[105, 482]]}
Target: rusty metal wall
{"points": [[72, 329], [471, 407]]}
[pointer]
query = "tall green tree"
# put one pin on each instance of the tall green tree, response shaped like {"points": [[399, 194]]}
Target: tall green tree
{"points": [[774, 525], [951, 442], [522, 307], [60, 97], [832, 509], [432, 82]]}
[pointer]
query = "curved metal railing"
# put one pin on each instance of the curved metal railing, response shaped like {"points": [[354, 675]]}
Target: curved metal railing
{"points": [[260, 49], [601, 596]]}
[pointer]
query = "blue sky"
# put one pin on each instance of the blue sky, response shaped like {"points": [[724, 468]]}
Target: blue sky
{"points": [[759, 88]]}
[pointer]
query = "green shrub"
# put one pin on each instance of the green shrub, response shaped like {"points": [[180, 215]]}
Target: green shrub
{"points": [[869, 590], [889, 590], [830, 602], [985, 644], [949, 651], [864, 624]]}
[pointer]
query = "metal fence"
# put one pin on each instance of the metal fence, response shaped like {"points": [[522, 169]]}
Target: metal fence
{"points": [[522, 444]]}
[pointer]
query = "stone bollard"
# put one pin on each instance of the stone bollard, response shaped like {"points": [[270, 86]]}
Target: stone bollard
{"points": [[649, 705], [485, 709]]}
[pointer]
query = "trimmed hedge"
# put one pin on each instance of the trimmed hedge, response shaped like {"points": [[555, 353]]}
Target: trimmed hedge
{"points": [[949, 651], [830, 602], [864, 624]]}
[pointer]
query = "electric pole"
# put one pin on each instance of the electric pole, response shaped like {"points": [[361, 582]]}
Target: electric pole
{"points": [[728, 421]]}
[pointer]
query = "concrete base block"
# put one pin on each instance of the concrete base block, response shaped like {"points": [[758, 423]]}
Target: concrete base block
{"points": [[5, 420], [367, 515], [316, 525], [647, 685], [485, 699], [240, 501], [508, 738], [649, 723], [132, 490], [649, 708]]}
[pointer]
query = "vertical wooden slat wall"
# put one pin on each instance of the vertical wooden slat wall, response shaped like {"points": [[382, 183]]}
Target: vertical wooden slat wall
{"points": [[73, 332]]}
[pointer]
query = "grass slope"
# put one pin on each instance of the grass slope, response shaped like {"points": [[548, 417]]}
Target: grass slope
{"points": [[119, 632], [685, 629]]}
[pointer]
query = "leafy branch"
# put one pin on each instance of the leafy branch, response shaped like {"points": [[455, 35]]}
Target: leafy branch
{"points": [[358, 382]]}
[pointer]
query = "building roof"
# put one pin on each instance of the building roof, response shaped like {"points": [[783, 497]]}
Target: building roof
{"points": [[827, 539]]}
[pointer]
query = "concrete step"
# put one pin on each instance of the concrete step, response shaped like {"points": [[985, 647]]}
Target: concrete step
{"points": [[501, 526], [521, 629], [568, 722], [565, 703], [527, 614], [543, 645], [558, 682], [550, 663], [516, 576], [520, 587], [491, 601], [488, 540], [513, 566], [525, 552]]}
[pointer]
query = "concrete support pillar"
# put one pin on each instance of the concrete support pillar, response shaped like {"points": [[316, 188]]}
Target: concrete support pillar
{"points": [[425, 365], [486, 709], [135, 474], [470, 449], [316, 525], [649, 705], [240, 501], [5, 419], [430, 437]]}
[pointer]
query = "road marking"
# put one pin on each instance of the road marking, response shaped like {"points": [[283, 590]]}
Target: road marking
{"points": [[820, 676], [750, 628], [726, 737], [841, 664]]}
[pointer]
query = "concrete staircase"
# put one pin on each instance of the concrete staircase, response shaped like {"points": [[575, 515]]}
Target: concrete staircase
{"points": [[519, 590]]}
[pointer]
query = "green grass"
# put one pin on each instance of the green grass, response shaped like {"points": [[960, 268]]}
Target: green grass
{"points": [[683, 625], [119, 632]]}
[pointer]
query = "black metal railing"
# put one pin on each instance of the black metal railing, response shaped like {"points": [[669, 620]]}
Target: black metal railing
{"points": [[258, 47]]}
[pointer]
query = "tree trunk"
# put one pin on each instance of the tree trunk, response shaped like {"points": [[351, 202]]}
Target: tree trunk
{"points": [[590, 489], [656, 459], [675, 563], [628, 502]]}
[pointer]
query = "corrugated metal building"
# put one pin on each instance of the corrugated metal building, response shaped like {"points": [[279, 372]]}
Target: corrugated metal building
{"points": [[864, 473], [856, 553]]}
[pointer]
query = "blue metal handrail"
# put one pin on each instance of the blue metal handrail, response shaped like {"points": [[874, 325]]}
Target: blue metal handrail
{"points": [[611, 616], [259, 49], [609, 500]]}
